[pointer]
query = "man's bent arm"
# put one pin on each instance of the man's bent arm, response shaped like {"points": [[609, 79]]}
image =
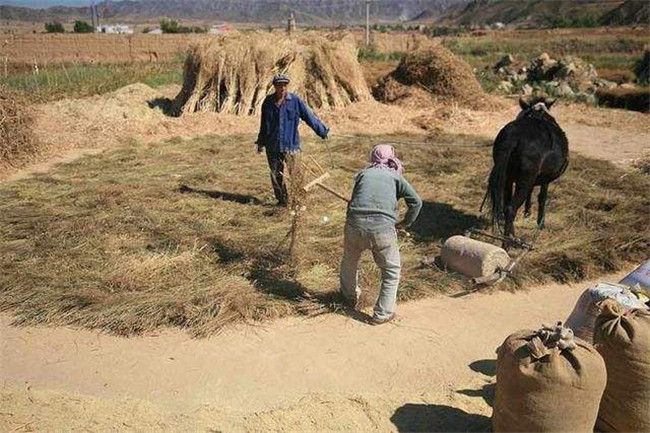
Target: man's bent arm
{"points": [[413, 201]]}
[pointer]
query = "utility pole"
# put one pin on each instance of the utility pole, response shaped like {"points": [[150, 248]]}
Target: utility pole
{"points": [[291, 24], [367, 22]]}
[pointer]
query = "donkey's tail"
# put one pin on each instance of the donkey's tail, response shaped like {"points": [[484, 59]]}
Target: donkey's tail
{"points": [[497, 180]]}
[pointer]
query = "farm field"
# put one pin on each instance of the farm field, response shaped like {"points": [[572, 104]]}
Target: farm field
{"points": [[605, 49], [146, 279]]}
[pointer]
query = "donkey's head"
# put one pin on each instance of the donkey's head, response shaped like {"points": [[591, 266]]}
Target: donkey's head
{"points": [[537, 107]]}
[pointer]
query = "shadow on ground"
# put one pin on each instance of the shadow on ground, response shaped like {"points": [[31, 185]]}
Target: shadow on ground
{"points": [[437, 418], [486, 393], [438, 221], [166, 105], [221, 195], [487, 367]]}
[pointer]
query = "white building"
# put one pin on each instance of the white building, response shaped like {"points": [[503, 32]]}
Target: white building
{"points": [[219, 29], [121, 29]]}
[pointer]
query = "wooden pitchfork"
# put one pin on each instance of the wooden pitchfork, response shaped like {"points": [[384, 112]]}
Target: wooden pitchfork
{"points": [[321, 175]]}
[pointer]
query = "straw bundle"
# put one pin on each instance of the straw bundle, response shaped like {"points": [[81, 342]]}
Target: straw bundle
{"points": [[233, 74], [446, 77]]}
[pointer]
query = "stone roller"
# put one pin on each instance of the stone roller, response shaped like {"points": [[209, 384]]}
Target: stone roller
{"points": [[484, 263]]}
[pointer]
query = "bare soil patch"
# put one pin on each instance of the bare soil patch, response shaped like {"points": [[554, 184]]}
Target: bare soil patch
{"points": [[329, 373]]}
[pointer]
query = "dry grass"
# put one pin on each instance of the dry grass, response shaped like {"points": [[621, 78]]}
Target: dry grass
{"points": [[619, 76], [635, 99], [233, 74], [17, 144], [111, 242], [46, 50], [642, 164], [434, 73]]}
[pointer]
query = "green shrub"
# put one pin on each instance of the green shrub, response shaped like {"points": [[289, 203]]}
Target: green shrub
{"points": [[172, 26], [642, 69], [587, 21], [371, 54], [83, 27], [54, 27], [436, 31]]}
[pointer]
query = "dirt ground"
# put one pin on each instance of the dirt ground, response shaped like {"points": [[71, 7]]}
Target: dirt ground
{"points": [[433, 370]]}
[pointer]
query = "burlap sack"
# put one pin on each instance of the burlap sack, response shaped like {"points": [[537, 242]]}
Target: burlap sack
{"points": [[583, 317], [623, 339], [546, 386]]}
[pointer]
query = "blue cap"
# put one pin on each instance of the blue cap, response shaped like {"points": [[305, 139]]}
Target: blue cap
{"points": [[281, 78]]}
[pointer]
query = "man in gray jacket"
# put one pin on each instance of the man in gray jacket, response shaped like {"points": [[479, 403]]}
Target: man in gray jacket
{"points": [[371, 225]]}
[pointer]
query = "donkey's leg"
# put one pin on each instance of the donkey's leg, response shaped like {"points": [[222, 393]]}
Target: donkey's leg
{"points": [[529, 203], [522, 190], [541, 200], [507, 194]]}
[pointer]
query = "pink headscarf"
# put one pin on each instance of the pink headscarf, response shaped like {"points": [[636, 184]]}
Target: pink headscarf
{"points": [[383, 156]]}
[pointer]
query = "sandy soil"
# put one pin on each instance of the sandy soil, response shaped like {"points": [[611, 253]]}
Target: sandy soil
{"points": [[432, 370]]}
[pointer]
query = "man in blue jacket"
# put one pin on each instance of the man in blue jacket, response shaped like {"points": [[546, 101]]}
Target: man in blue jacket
{"points": [[281, 114]]}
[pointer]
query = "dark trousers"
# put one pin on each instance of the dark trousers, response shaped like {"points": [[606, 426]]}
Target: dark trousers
{"points": [[276, 162]]}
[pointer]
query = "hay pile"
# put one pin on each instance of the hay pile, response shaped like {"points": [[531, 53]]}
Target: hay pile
{"points": [[17, 144], [233, 74], [435, 70]]}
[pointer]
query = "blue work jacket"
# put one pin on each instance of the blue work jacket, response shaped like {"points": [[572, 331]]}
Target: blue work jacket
{"points": [[279, 125]]}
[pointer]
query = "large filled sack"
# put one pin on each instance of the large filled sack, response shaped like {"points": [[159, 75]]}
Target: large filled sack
{"points": [[547, 381], [623, 340], [640, 276], [583, 317]]}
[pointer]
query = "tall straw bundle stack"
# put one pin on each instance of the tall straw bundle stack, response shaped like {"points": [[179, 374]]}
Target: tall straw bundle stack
{"points": [[233, 74]]}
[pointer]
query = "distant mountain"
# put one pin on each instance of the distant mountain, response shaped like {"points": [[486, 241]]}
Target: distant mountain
{"points": [[335, 12], [545, 12], [309, 12], [630, 12], [61, 13], [43, 3]]}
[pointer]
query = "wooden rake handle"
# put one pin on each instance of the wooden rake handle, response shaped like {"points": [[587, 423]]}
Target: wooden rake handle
{"points": [[336, 193]]}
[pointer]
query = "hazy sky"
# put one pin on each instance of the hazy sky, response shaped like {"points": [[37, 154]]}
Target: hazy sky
{"points": [[44, 3]]}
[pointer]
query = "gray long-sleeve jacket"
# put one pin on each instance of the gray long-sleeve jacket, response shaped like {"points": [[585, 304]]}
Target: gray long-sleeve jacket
{"points": [[373, 206]]}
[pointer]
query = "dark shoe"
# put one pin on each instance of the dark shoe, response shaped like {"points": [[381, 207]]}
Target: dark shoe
{"points": [[282, 203], [377, 321]]}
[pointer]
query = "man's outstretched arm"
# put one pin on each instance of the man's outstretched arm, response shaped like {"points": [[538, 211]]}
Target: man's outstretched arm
{"points": [[310, 119]]}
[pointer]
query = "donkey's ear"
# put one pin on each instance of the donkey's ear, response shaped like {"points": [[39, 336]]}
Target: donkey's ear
{"points": [[550, 103], [523, 104]]}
